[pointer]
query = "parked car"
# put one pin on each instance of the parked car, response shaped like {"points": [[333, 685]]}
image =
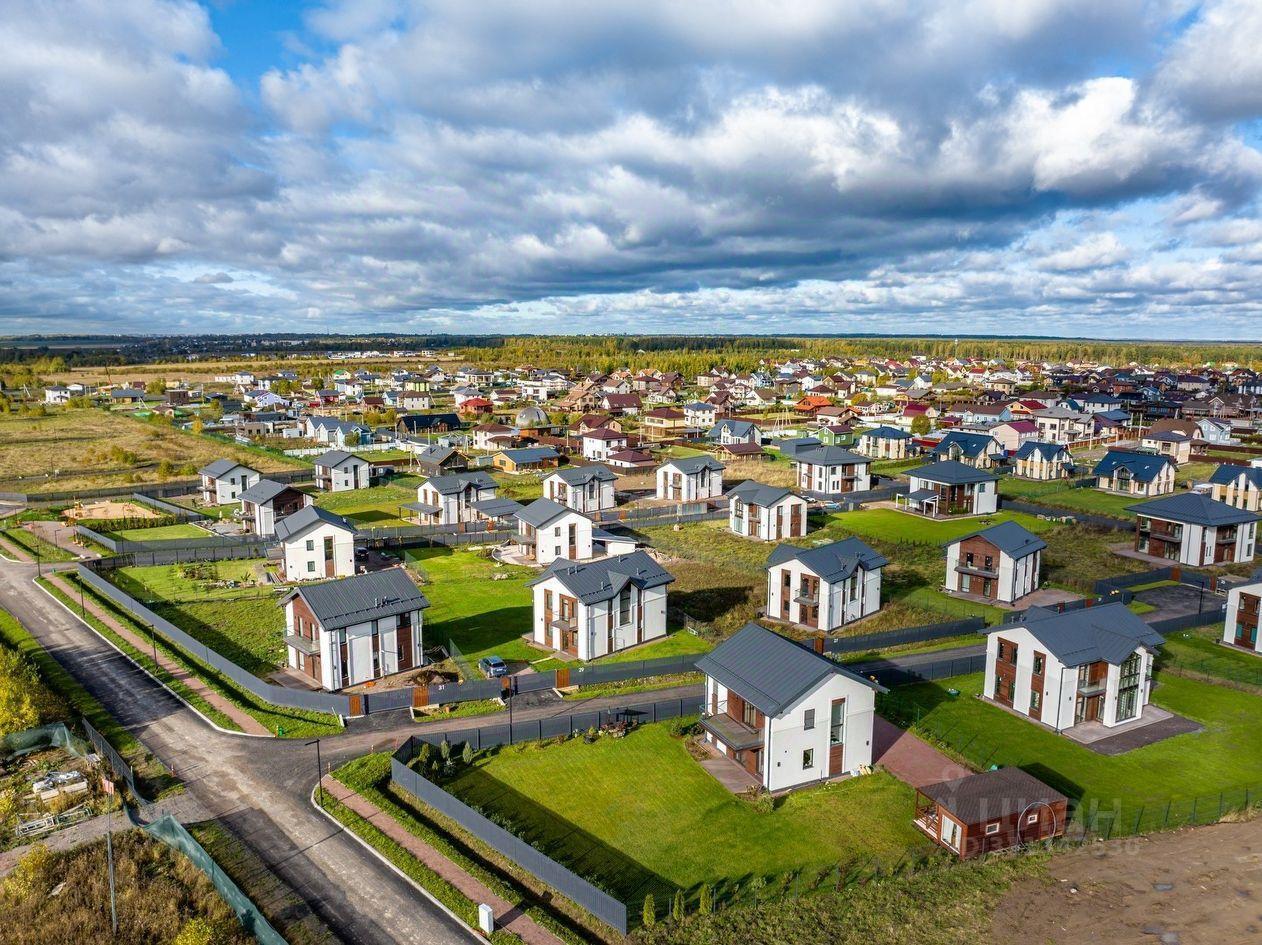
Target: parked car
{"points": [[493, 667]]}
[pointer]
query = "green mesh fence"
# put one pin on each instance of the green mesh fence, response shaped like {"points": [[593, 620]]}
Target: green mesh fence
{"points": [[53, 735], [171, 832]]}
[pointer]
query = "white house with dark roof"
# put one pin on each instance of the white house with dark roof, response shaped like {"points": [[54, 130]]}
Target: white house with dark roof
{"points": [[1177, 446], [593, 608], [825, 587], [547, 530], [316, 545], [1193, 529], [340, 471], [788, 715], [1132, 473], [355, 629], [224, 480], [452, 499], [979, 450], [769, 513], [731, 430], [884, 442], [1238, 486], [950, 488], [267, 502], [586, 489], [999, 563], [1035, 459], [1240, 629], [601, 443], [831, 472], [690, 479], [1088, 665]]}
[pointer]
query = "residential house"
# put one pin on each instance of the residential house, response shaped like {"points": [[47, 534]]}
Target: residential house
{"points": [[825, 587], [356, 629], [526, 459], [586, 489], [1193, 529], [1177, 446], [770, 513], [338, 433], [315, 545], [700, 416], [439, 459], [426, 424], [224, 480], [602, 442], [739, 450], [1013, 434], [663, 423], [266, 502], [1000, 563], [57, 395], [979, 450], [1215, 431], [884, 443], [1063, 425], [1239, 486], [631, 459], [489, 437], [1035, 459], [995, 810], [788, 715], [340, 471], [1092, 665], [547, 530], [593, 421], [594, 608], [1241, 626], [690, 479], [621, 404], [731, 430], [789, 448], [452, 499], [1140, 474], [831, 472], [950, 488]]}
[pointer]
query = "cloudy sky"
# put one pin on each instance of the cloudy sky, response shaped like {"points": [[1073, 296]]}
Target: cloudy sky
{"points": [[1035, 167]]}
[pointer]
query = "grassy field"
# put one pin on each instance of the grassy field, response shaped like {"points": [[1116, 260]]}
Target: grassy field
{"points": [[161, 533], [378, 505], [243, 623], [1199, 652], [639, 815], [1139, 784], [1058, 494], [89, 448]]}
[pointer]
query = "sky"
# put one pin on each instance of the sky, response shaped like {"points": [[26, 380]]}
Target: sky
{"points": [[1043, 167]]}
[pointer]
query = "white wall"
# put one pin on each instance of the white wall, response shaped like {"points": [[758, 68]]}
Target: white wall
{"points": [[840, 603], [592, 620], [351, 474], [303, 563], [827, 479], [693, 487], [229, 488], [786, 738], [359, 650], [552, 540], [1233, 610]]}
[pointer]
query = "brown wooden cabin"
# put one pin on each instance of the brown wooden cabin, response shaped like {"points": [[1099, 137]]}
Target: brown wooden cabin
{"points": [[994, 810]]}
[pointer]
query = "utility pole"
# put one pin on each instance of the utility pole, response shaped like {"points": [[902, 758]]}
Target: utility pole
{"points": [[319, 774], [109, 858]]}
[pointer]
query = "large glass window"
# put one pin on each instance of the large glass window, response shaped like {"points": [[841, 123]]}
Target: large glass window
{"points": [[837, 724], [1128, 688]]}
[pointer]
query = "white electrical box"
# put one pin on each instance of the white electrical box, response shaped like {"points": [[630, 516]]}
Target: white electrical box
{"points": [[486, 919]]}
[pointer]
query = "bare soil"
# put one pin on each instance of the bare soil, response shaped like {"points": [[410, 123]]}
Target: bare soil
{"points": [[108, 509], [1201, 886]]}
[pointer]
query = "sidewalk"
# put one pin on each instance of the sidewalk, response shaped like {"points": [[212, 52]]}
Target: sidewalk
{"points": [[507, 916], [239, 716]]}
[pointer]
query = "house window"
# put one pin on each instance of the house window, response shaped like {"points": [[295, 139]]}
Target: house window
{"points": [[808, 759], [1038, 664], [808, 719], [992, 828], [990, 563], [1031, 818], [1036, 701], [1128, 688], [310, 566], [968, 559], [624, 605], [837, 724], [311, 544]]}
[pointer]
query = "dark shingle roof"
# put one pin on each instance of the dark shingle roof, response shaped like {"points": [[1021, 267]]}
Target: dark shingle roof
{"points": [[542, 511], [221, 467], [530, 454], [332, 458], [581, 475], [831, 456], [769, 670], [307, 516], [950, 472], [756, 493], [970, 444], [832, 562], [1225, 475], [991, 795], [498, 508], [886, 433], [263, 491], [592, 581], [1142, 466], [741, 428], [1110, 632], [1048, 451], [1194, 509], [694, 464], [458, 481], [348, 601], [1011, 538], [792, 447]]}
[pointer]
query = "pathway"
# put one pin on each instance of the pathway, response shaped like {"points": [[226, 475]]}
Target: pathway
{"points": [[507, 916], [61, 535], [909, 758]]}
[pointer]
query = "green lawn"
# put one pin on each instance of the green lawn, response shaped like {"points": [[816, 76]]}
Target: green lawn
{"points": [[245, 624], [375, 506], [1199, 651], [1059, 494], [907, 528], [1137, 785], [161, 533], [640, 815]]}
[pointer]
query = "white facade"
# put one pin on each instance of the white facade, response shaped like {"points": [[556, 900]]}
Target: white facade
{"points": [[1013, 577], [220, 490], [1241, 627], [601, 443], [589, 497], [833, 479], [983, 500], [1198, 545], [454, 507], [1122, 481], [882, 447], [776, 521], [597, 628], [1038, 466], [1240, 493], [568, 535], [372, 649], [350, 473], [678, 486], [320, 551], [838, 604]]}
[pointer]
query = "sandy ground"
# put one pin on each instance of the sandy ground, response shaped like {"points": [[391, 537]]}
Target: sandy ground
{"points": [[109, 509], [1191, 887]]}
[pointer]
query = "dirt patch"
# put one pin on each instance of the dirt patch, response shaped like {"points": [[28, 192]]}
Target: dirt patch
{"points": [[108, 509], [1201, 886]]}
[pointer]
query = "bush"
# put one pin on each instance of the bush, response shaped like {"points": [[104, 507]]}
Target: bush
{"points": [[677, 906], [648, 915], [705, 901]]}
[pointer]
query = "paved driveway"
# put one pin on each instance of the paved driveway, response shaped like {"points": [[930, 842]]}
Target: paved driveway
{"points": [[1178, 601], [910, 759]]}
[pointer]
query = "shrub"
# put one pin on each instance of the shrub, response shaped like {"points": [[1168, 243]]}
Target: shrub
{"points": [[677, 906], [467, 755], [705, 900], [648, 915]]}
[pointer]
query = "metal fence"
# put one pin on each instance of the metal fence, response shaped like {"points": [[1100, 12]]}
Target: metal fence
{"points": [[175, 551], [891, 673], [122, 770], [545, 869], [876, 641], [169, 508], [1201, 618], [1082, 518]]}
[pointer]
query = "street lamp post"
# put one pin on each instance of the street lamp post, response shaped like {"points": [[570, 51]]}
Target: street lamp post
{"points": [[319, 773]]}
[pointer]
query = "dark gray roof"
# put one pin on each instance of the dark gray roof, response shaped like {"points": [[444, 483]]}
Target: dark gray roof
{"points": [[592, 581], [581, 475], [1111, 632], [221, 467], [264, 491], [741, 428], [991, 795], [832, 562], [1193, 508], [950, 472], [530, 454], [332, 458], [1142, 466], [542, 511], [694, 464], [434, 454], [498, 508], [307, 516], [970, 444], [831, 456], [769, 670], [459, 481], [886, 433], [363, 597], [1225, 474], [756, 493], [1011, 538], [792, 447], [1049, 451]]}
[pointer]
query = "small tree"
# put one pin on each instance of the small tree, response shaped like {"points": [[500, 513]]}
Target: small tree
{"points": [[444, 749], [467, 755], [755, 886], [920, 425], [677, 906], [705, 900], [649, 914]]}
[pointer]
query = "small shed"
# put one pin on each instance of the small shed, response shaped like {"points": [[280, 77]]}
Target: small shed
{"points": [[994, 810]]}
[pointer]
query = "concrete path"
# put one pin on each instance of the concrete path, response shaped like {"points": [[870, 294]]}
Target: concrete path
{"points": [[61, 535], [507, 916], [909, 758]]}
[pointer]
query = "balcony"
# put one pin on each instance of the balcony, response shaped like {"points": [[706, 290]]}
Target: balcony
{"points": [[979, 570], [731, 732], [302, 644], [807, 598], [1092, 688], [558, 623]]}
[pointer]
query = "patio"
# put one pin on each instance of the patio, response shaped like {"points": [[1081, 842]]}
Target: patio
{"points": [[1153, 725]]}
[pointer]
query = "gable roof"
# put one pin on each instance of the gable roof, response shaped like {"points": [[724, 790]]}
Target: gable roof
{"points": [[950, 472], [221, 467], [970, 444], [592, 581], [886, 433], [530, 454], [1110, 632], [307, 516], [1011, 538], [795, 446], [542, 511], [263, 491], [1049, 451], [991, 795], [741, 428], [360, 598], [830, 456], [1194, 508], [581, 475], [459, 481], [833, 562], [1142, 466], [757, 493], [770, 671], [333, 458], [1224, 475], [689, 465]]}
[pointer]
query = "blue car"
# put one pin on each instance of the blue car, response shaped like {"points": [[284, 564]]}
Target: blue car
{"points": [[493, 667]]}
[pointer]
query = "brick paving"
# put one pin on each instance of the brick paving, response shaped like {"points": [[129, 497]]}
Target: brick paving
{"points": [[910, 759]]}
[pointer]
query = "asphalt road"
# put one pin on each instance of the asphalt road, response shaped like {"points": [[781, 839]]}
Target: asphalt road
{"points": [[258, 788]]}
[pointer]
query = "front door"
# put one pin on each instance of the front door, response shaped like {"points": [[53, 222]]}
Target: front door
{"points": [[1088, 709], [1246, 636], [837, 738], [329, 566], [795, 521]]}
